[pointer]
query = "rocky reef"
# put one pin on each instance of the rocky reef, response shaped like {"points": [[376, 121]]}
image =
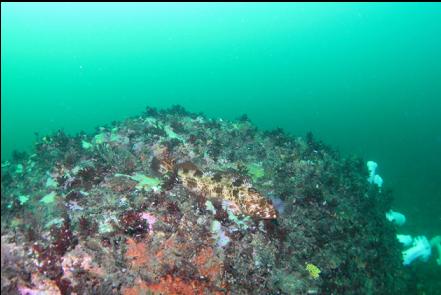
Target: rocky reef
{"points": [[173, 202]]}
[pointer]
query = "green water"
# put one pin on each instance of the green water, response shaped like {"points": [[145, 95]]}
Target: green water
{"points": [[365, 78]]}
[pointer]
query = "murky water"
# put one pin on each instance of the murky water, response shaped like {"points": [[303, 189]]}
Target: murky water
{"points": [[364, 78]]}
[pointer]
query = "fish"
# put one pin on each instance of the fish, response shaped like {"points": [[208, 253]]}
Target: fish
{"points": [[226, 186]]}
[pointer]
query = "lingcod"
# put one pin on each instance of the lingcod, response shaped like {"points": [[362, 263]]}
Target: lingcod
{"points": [[226, 186]]}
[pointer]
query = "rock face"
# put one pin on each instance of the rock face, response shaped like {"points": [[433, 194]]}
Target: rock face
{"points": [[172, 202]]}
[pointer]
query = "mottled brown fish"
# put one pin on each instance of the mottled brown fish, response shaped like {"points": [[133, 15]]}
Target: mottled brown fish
{"points": [[226, 186]]}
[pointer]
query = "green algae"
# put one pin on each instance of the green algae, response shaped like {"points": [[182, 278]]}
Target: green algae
{"points": [[256, 171], [49, 198]]}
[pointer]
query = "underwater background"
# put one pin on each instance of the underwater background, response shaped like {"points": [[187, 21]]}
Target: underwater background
{"points": [[363, 78]]}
